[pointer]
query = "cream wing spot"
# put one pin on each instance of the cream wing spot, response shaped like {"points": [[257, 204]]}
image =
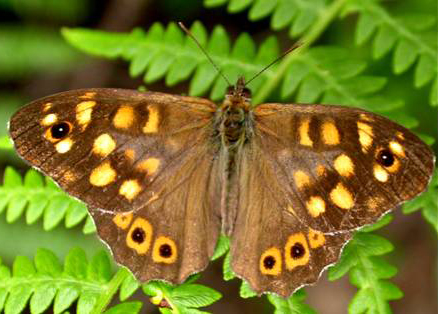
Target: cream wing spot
{"points": [[397, 149], [47, 106], [365, 135], [303, 131], [130, 189], [315, 206], [330, 133], [124, 117], [88, 95], [344, 165], [103, 175], [380, 173], [84, 111], [149, 165], [49, 120], [301, 179], [104, 145], [342, 197], [130, 154], [151, 125], [64, 146]]}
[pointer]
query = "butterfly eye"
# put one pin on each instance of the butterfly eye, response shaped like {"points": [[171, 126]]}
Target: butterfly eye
{"points": [[385, 158], [246, 92], [60, 130], [297, 250], [230, 90]]}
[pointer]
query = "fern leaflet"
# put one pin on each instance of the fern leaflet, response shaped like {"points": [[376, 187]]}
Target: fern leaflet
{"points": [[40, 198]]}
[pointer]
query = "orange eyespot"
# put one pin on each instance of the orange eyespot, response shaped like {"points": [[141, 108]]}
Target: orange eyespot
{"points": [[59, 131]]}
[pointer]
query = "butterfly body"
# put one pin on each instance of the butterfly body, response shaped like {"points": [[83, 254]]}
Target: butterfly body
{"points": [[163, 175]]}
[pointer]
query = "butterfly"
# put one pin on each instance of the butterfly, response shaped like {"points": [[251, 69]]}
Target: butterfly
{"points": [[164, 175]]}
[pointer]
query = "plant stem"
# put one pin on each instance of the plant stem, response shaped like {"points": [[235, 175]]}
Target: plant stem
{"points": [[113, 286], [307, 40]]}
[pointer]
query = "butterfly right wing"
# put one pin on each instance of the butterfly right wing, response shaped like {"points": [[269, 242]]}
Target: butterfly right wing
{"points": [[306, 178]]}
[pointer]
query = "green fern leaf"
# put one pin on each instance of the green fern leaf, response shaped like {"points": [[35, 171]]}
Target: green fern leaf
{"points": [[368, 271], [292, 305], [184, 298], [39, 200], [127, 307], [408, 35], [44, 281], [295, 14]]}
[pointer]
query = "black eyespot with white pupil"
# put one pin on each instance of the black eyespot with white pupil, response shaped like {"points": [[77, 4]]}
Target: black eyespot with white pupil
{"points": [[297, 250], [165, 250], [269, 262], [385, 158], [138, 235], [60, 130]]}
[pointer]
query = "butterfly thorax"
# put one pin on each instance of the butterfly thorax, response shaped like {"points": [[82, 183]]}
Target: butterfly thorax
{"points": [[233, 115]]}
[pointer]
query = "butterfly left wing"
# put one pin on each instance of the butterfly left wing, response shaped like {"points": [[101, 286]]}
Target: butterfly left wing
{"points": [[306, 178], [145, 165]]}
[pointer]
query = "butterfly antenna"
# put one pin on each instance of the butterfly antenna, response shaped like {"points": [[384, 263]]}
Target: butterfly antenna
{"points": [[204, 51], [294, 46]]}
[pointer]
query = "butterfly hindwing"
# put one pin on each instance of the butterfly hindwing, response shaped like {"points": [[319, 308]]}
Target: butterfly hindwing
{"points": [[270, 248], [144, 164]]}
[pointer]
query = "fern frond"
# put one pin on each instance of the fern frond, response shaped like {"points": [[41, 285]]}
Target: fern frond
{"points": [[322, 74], [412, 37], [40, 198], [44, 283], [161, 53], [292, 305], [296, 14], [184, 298], [368, 271]]}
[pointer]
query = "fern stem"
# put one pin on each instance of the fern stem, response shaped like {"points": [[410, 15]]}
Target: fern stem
{"points": [[112, 288], [326, 17]]}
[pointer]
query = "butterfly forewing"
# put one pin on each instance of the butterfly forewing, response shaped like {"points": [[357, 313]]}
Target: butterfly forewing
{"points": [[143, 162], [340, 168]]}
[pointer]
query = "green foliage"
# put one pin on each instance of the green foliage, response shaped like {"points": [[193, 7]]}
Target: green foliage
{"points": [[184, 298], [45, 283], [321, 74], [368, 271], [312, 73], [5, 143], [66, 10], [161, 53], [292, 305], [296, 14], [411, 36], [22, 54], [39, 199]]}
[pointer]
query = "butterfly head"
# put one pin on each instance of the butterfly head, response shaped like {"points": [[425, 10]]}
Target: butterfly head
{"points": [[239, 93]]}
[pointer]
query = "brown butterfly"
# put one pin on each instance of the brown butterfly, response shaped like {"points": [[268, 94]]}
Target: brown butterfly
{"points": [[163, 175]]}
